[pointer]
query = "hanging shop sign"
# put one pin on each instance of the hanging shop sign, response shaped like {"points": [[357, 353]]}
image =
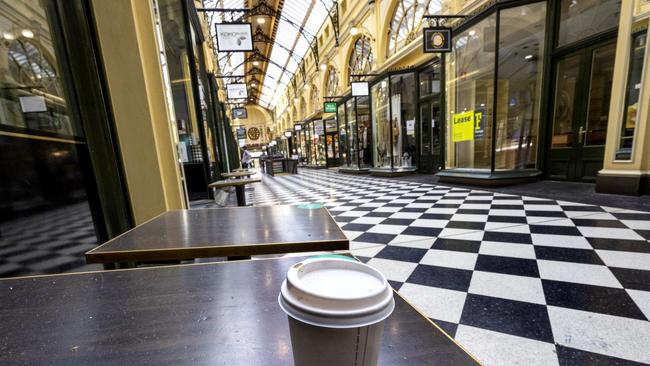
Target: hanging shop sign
{"points": [[359, 88], [254, 133], [239, 113], [287, 133], [436, 39], [297, 127], [237, 91], [234, 37], [329, 107], [462, 128], [241, 133]]}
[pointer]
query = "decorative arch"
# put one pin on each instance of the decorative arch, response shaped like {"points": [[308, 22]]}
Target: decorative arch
{"points": [[405, 22], [361, 58]]}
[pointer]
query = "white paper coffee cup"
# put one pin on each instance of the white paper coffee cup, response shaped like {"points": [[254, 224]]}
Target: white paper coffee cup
{"points": [[336, 308]]}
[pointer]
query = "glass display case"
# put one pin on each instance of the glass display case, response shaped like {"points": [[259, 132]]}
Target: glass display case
{"points": [[493, 99], [332, 142], [356, 113], [343, 132], [394, 124]]}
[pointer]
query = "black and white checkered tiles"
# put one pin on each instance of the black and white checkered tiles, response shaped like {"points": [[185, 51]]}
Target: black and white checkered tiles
{"points": [[517, 280], [50, 242]]}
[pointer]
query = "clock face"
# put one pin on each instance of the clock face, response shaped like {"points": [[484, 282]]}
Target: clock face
{"points": [[253, 133]]}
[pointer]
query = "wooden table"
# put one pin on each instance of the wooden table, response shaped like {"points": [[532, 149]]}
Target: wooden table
{"points": [[203, 314], [240, 187], [224, 232]]}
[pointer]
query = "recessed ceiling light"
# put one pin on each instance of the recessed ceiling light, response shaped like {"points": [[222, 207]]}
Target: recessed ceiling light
{"points": [[253, 85], [261, 20], [528, 57], [27, 33], [354, 31], [8, 36], [256, 63], [472, 33], [323, 67]]}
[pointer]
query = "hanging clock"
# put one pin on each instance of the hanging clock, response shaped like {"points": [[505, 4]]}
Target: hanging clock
{"points": [[253, 133]]}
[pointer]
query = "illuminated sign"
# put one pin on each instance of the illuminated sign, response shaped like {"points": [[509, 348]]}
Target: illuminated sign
{"points": [[329, 107], [297, 127], [436, 39], [234, 37], [359, 88]]}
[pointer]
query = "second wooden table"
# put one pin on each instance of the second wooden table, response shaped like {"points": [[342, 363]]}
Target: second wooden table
{"points": [[224, 232]]}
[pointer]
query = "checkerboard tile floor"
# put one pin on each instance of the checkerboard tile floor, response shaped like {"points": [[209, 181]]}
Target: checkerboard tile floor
{"points": [[50, 242], [517, 280]]}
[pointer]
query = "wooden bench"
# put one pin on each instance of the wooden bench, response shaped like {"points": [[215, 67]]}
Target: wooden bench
{"points": [[239, 185]]}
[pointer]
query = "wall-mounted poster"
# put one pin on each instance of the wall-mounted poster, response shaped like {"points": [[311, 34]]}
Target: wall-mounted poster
{"points": [[463, 126], [237, 91], [234, 37]]}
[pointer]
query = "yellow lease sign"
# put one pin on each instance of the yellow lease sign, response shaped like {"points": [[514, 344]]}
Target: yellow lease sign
{"points": [[463, 126]]}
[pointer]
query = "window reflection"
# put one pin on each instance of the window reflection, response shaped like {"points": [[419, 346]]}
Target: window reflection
{"points": [[521, 50], [633, 92], [583, 18]]}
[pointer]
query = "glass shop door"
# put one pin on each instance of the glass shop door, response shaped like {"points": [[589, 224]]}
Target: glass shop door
{"points": [[582, 94]]}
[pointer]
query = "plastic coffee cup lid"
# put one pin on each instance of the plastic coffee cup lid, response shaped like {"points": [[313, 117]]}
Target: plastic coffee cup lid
{"points": [[336, 292]]}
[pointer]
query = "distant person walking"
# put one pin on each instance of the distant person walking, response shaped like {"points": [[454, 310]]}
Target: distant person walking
{"points": [[245, 158]]}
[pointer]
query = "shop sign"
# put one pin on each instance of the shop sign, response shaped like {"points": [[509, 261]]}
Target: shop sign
{"points": [[410, 127], [237, 91], [463, 126], [241, 133], [234, 37], [297, 127], [329, 107], [359, 88], [239, 113], [436, 39]]}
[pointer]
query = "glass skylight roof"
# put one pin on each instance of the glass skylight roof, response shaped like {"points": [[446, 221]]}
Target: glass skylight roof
{"points": [[296, 15], [298, 25]]}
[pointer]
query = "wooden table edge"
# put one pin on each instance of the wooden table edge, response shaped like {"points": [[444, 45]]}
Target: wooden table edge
{"points": [[207, 251]]}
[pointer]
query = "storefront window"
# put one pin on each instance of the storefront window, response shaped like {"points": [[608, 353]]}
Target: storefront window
{"points": [[521, 51], [352, 135], [633, 92], [470, 94], [33, 95], [318, 143], [581, 19], [403, 122], [382, 124], [343, 138], [178, 66], [364, 132]]}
